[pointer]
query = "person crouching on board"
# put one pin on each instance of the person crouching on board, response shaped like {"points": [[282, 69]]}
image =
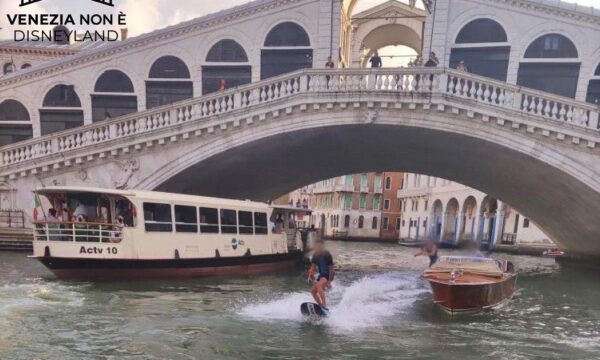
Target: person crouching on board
{"points": [[323, 262]]}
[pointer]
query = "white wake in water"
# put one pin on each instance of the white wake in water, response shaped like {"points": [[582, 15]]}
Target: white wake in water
{"points": [[366, 302]]}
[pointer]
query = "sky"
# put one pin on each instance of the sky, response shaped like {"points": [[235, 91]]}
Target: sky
{"points": [[147, 15]]}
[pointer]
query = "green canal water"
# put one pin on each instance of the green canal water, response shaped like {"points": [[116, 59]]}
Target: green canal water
{"points": [[380, 310]]}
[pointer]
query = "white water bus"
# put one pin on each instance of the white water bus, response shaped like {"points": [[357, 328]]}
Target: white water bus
{"points": [[93, 233]]}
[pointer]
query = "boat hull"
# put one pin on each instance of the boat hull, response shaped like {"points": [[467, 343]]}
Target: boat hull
{"points": [[472, 297], [121, 269]]}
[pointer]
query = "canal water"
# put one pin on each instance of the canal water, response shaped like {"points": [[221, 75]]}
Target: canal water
{"points": [[380, 309]]}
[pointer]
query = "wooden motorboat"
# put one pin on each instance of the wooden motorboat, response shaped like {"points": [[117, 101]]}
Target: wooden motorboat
{"points": [[469, 284], [553, 253], [411, 242]]}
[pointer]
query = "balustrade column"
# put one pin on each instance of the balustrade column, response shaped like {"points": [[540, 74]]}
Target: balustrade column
{"points": [[459, 228], [498, 225]]}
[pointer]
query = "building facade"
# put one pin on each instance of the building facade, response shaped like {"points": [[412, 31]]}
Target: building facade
{"points": [[391, 206], [346, 206], [449, 212]]}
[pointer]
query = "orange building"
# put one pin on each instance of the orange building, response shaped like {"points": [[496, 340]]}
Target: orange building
{"points": [[391, 206]]}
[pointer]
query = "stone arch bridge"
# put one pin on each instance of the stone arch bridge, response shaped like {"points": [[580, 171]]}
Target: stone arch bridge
{"points": [[536, 151]]}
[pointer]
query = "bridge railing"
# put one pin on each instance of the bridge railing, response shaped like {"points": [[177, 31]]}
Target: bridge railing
{"points": [[414, 80]]}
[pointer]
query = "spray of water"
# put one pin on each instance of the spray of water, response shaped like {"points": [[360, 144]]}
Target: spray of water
{"points": [[366, 302]]}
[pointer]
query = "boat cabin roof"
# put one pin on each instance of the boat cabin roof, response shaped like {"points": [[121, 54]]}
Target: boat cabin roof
{"points": [[153, 196]]}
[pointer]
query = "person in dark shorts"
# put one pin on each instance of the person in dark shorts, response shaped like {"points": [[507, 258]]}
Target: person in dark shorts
{"points": [[429, 249], [321, 261]]}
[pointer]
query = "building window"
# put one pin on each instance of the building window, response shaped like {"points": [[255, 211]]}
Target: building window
{"points": [[388, 183], [287, 48], [8, 68], [550, 64], [385, 223], [209, 220], [374, 222], [61, 110], [168, 82], [397, 224], [525, 223], [186, 219], [386, 204], [426, 205], [19, 128], [157, 217], [347, 221], [363, 201], [483, 45], [228, 221], [364, 180], [361, 222], [376, 203], [107, 106], [417, 205]]}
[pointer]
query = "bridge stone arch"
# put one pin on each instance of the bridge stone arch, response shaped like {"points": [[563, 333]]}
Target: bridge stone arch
{"points": [[256, 163], [385, 35]]}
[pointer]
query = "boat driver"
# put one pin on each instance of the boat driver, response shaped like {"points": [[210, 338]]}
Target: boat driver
{"points": [[323, 262]]}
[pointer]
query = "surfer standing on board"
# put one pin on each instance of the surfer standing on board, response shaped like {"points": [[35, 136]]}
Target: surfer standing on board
{"points": [[323, 262]]}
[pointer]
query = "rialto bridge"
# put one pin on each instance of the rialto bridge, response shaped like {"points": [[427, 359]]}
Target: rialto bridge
{"points": [[536, 151], [236, 104]]}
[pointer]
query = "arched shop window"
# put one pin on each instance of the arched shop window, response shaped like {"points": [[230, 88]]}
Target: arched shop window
{"points": [[169, 82], [483, 45], [593, 92], [15, 124], [113, 96], [551, 63], [224, 67], [61, 110], [287, 48]]}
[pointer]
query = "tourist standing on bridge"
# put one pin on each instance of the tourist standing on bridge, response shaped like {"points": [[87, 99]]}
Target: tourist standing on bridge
{"points": [[329, 65], [375, 61], [462, 66], [433, 60], [323, 262]]}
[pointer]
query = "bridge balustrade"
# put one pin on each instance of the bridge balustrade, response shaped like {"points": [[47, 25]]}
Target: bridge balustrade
{"points": [[414, 80]]}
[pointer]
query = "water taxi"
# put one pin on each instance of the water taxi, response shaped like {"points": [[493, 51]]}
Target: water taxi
{"points": [[94, 233], [462, 284]]}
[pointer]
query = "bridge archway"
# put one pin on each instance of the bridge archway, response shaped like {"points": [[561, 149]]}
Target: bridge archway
{"points": [[255, 164]]}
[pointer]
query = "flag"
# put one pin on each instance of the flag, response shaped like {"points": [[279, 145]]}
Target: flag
{"points": [[37, 205]]}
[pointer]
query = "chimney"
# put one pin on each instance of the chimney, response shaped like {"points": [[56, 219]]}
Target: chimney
{"points": [[123, 34]]}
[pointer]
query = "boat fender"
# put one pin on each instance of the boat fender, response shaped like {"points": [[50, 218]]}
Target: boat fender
{"points": [[47, 251], [177, 254], [217, 254], [248, 253]]}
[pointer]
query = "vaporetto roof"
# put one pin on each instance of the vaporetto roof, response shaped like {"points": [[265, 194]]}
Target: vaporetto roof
{"points": [[155, 196]]}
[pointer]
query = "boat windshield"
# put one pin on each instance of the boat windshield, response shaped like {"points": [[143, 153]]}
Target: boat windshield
{"points": [[467, 264], [82, 216]]}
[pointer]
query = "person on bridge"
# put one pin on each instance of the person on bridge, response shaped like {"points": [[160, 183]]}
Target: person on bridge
{"points": [[321, 261], [375, 61], [429, 249]]}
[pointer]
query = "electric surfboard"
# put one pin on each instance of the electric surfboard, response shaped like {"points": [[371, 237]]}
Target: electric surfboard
{"points": [[312, 309]]}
